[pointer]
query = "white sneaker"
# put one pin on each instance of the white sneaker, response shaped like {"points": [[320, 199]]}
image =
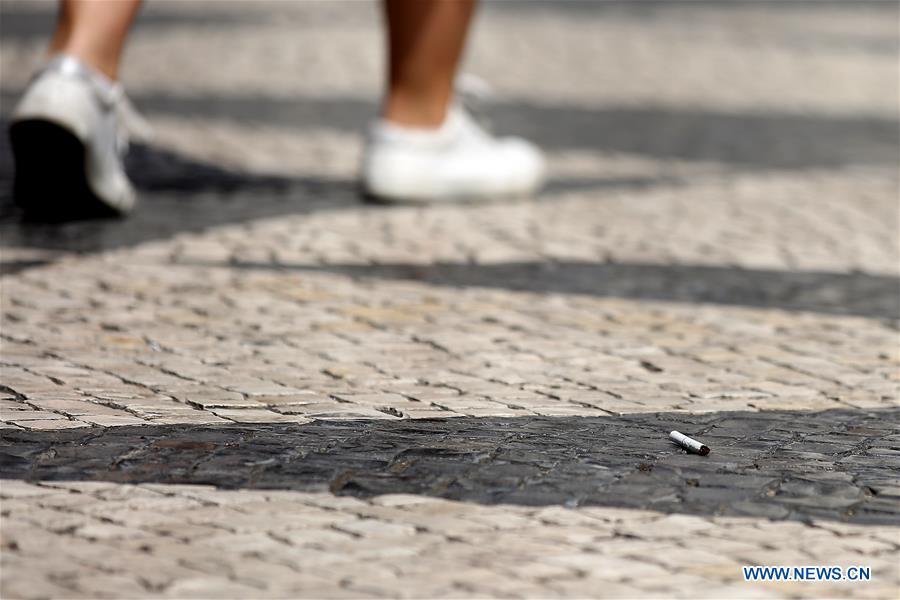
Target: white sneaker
{"points": [[457, 162], [68, 144]]}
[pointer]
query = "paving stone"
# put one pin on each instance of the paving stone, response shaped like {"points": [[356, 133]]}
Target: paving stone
{"points": [[203, 587], [50, 424], [30, 415]]}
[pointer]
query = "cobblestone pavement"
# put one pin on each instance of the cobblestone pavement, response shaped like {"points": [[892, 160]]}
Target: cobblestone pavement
{"points": [[260, 387]]}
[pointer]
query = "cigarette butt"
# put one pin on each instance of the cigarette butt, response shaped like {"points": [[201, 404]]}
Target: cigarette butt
{"points": [[689, 444]]}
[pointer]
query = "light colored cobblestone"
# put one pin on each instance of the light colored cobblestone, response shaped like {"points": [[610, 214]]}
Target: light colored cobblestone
{"points": [[534, 555]]}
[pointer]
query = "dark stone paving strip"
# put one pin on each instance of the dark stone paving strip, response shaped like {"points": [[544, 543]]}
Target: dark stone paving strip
{"points": [[860, 294], [837, 465], [749, 141]]}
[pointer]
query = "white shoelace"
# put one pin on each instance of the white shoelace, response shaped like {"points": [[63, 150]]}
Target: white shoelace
{"points": [[474, 93], [131, 123]]}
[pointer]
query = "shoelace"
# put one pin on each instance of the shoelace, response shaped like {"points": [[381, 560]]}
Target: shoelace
{"points": [[474, 94], [131, 123]]}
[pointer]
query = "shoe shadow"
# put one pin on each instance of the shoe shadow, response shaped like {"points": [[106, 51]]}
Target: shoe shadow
{"points": [[181, 194], [177, 194]]}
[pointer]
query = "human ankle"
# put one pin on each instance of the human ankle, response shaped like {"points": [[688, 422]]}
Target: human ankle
{"points": [[102, 64], [415, 112]]}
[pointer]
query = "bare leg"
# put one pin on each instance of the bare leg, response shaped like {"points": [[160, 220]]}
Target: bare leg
{"points": [[94, 31], [425, 42]]}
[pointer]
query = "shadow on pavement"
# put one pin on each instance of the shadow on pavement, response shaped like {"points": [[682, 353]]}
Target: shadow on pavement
{"points": [[177, 194], [181, 194], [858, 294], [837, 464], [765, 140]]}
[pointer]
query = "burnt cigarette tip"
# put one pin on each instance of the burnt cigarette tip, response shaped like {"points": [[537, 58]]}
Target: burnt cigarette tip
{"points": [[704, 450]]}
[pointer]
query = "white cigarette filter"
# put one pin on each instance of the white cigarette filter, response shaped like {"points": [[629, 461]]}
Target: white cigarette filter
{"points": [[689, 444]]}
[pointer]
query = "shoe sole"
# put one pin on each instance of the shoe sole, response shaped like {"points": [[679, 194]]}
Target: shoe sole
{"points": [[51, 184]]}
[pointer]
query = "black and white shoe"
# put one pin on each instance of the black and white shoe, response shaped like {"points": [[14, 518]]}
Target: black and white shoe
{"points": [[68, 141]]}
